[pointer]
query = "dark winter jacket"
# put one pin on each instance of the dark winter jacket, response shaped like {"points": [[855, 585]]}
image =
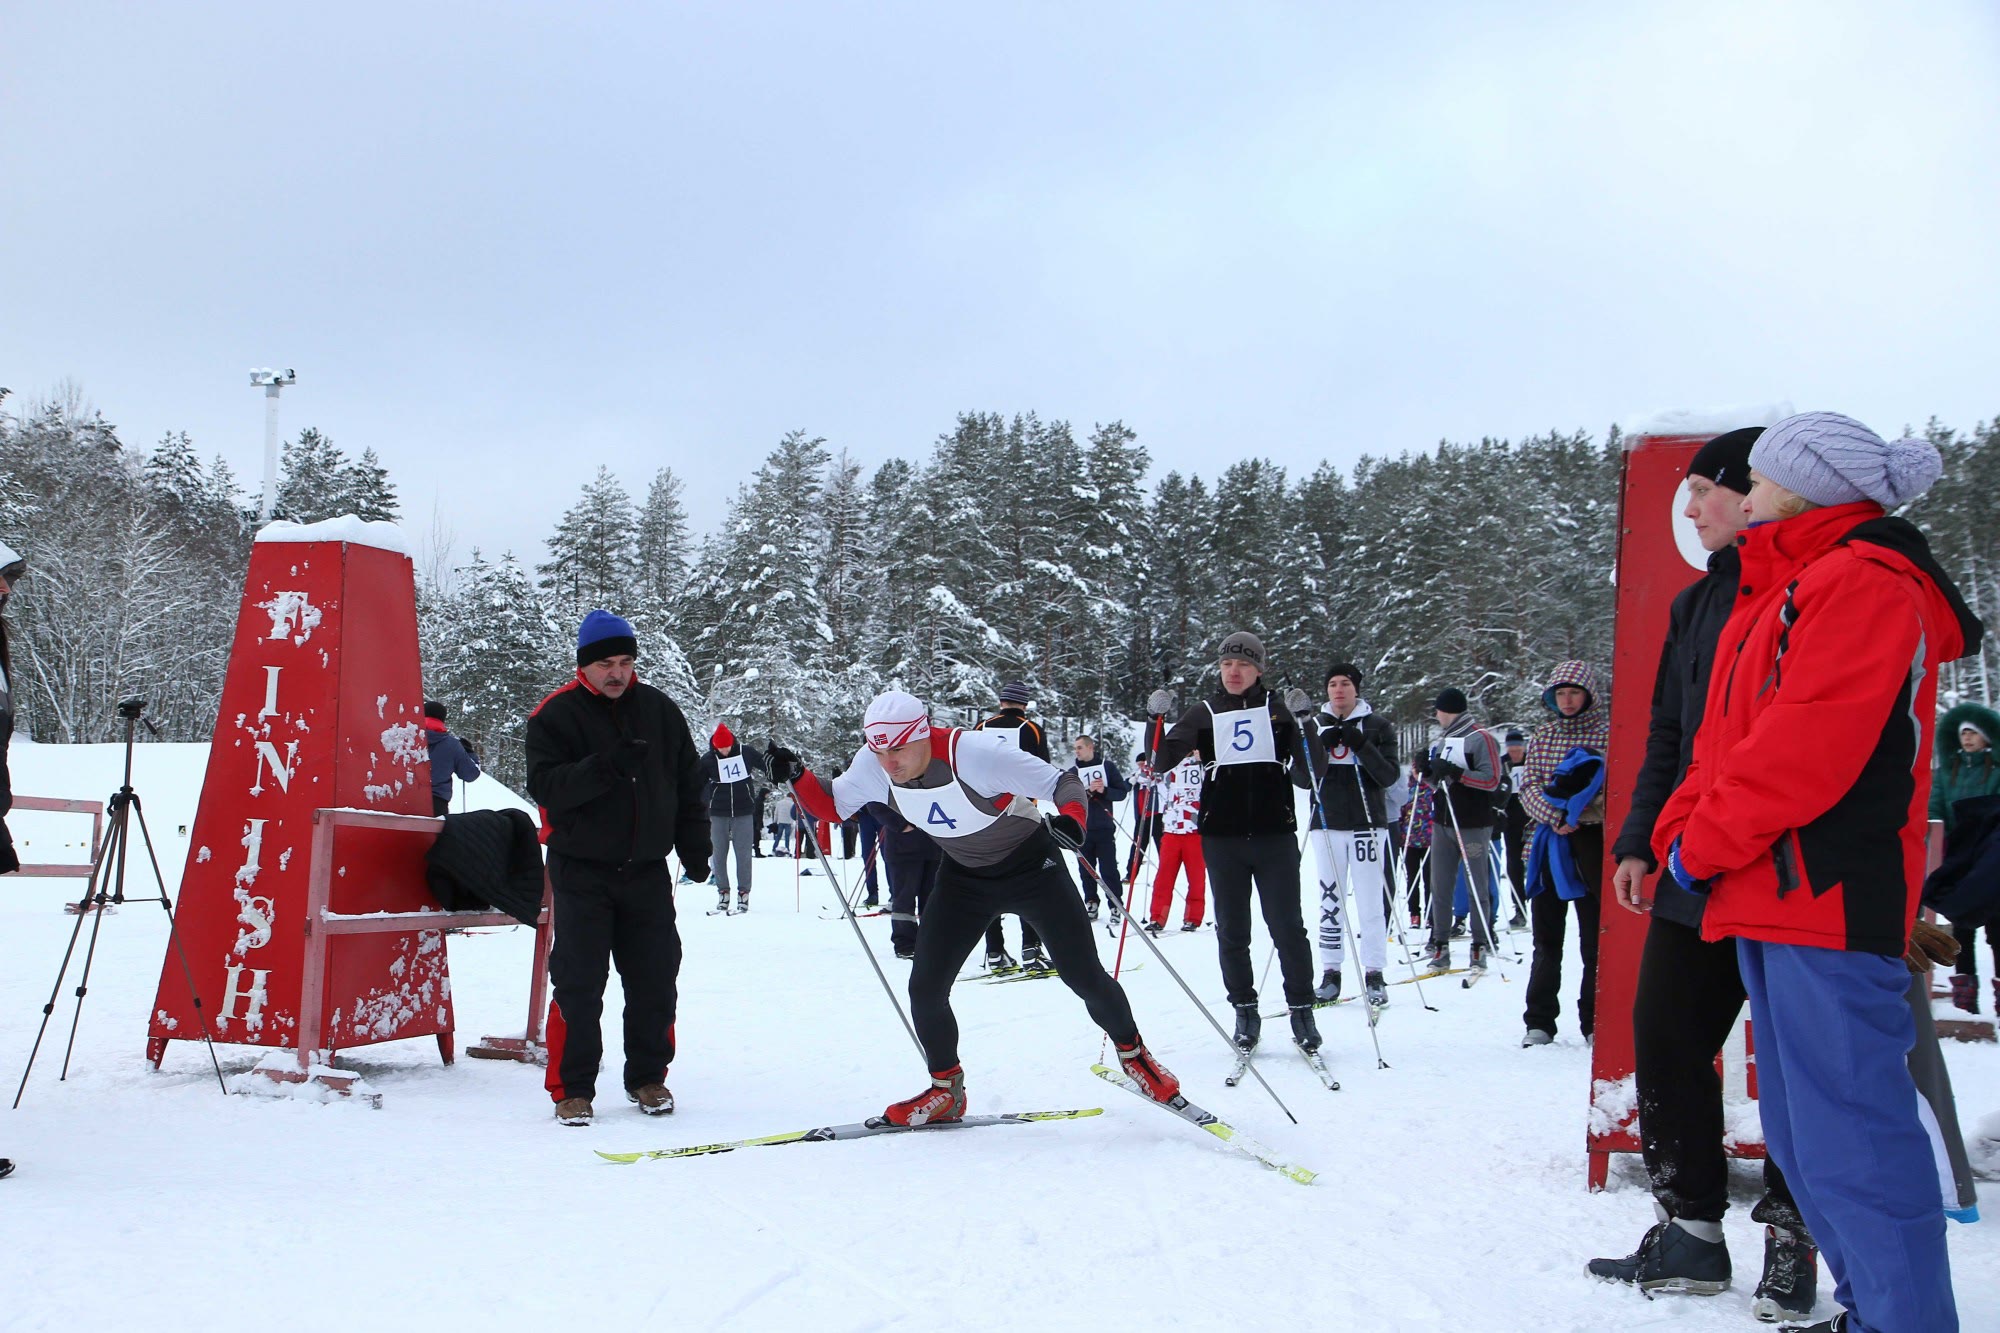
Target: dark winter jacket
{"points": [[1241, 800], [726, 800], [1103, 805], [449, 758], [1961, 774], [1028, 733], [1465, 801], [488, 858], [1966, 884], [1356, 760], [1805, 802], [1680, 693], [591, 809]]}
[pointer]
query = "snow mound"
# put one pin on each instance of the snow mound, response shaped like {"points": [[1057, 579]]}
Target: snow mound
{"points": [[1700, 422], [347, 528]]}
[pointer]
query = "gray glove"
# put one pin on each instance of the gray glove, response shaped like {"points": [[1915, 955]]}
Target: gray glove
{"points": [[1298, 701], [1159, 703]]}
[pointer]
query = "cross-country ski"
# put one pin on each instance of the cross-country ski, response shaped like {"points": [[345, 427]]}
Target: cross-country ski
{"points": [[861, 1129]]}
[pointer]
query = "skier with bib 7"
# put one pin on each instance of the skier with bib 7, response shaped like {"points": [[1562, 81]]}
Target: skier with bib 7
{"points": [[974, 793]]}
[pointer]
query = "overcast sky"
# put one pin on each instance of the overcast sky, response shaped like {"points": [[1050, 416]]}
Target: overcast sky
{"points": [[504, 243]]}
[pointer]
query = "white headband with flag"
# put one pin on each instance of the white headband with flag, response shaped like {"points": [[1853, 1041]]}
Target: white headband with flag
{"points": [[895, 719]]}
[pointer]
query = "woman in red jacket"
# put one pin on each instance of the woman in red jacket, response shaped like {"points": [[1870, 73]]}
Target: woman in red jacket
{"points": [[1802, 816]]}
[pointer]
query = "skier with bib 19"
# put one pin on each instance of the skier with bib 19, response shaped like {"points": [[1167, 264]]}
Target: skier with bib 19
{"points": [[974, 793], [1249, 829], [1350, 831]]}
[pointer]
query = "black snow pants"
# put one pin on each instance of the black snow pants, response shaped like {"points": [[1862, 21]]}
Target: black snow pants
{"points": [[606, 914], [1271, 861], [1689, 999]]}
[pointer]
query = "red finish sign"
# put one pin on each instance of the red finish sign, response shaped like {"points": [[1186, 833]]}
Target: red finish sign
{"points": [[1658, 555], [322, 706]]}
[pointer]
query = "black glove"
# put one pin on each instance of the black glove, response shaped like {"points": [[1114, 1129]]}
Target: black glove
{"points": [[786, 766], [1348, 733], [1444, 770], [1067, 830], [9, 862], [695, 870], [630, 756]]}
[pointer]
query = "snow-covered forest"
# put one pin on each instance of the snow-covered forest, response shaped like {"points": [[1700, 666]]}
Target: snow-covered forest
{"points": [[1014, 548]]}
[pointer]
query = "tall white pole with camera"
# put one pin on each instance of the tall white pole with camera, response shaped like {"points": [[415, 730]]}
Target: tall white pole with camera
{"points": [[271, 381]]}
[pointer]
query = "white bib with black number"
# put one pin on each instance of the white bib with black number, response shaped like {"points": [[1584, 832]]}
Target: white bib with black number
{"points": [[732, 769], [942, 812], [1089, 774], [1012, 735], [1243, 737]]}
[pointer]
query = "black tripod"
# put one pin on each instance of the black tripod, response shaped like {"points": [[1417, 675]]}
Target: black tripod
{"points": [[117, 840]]}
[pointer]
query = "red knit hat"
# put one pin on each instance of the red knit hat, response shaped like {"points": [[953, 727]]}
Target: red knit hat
{"points": [[723, 737]]}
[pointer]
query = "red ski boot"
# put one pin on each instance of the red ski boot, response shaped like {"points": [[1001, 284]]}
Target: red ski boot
{"points": [[1148, 1073], [944, 1100]]}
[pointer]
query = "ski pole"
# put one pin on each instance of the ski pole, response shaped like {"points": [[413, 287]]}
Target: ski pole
{"points": [[840, 896], [1174, 972], [1409, 954], [1319, 808], [1479, 905]]}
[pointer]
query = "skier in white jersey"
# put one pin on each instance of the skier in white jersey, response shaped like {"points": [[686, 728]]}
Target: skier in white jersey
{"points": [[974, 794], [1356, 751]]}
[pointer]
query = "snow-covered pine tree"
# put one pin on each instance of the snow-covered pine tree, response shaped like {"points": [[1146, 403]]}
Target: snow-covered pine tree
{"points": [[592, 553], [1115, 567], [315, 479], [370, 493], [765, 652], [1183, 582]]}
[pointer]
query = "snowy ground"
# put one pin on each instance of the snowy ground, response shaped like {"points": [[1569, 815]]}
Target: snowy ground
{"points": [[1451, 1189]]}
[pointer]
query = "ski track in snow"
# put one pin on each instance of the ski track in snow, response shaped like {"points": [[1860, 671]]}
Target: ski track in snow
{"points": [[1451, 1192]]}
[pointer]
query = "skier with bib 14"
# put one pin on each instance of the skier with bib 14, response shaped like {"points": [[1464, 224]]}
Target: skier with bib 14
{"points": [[974, 793]]}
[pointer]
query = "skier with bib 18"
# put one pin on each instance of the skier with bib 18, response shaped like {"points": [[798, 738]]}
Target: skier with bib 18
{"points": [[1249, 830], [974, 793]]}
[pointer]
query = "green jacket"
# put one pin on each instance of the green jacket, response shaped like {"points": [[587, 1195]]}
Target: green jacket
{"points": [[1960, 774]]}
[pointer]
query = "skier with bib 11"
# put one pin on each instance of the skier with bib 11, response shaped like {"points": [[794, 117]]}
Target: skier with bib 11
{"points": [[974, 793]]}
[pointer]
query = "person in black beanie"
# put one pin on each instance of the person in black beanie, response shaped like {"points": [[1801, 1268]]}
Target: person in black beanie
{"points": [[614, 767], [450, 757], [1690, 993]]}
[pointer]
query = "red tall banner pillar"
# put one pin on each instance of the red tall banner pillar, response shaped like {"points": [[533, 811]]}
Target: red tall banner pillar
{"points": [[322, 706], [1658, 555]]}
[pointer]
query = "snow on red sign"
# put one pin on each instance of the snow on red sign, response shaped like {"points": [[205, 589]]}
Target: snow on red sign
{"points": [[322, 706]]}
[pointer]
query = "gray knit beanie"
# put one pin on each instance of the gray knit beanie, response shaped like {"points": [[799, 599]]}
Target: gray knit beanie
{"points": [[1830, 459]]}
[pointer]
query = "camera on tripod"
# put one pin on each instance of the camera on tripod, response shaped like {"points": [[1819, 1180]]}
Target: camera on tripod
{"points": [[131, 707]]}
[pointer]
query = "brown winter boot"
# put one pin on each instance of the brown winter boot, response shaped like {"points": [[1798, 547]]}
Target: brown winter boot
{"points": [[1965, 991], [573, 1110], [653, 1099]]}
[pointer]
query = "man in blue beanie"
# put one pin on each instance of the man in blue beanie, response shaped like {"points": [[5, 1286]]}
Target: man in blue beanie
{"points": [[615, 770]]}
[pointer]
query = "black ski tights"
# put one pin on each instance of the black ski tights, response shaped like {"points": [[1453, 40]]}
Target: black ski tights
{"points": [[1034, 885]]}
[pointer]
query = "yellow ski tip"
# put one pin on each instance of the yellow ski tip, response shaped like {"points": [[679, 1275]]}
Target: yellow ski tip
{"points": [[622, 1158]]}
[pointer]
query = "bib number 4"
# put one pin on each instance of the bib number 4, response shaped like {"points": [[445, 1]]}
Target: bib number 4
{"points": [[937, 818]]}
